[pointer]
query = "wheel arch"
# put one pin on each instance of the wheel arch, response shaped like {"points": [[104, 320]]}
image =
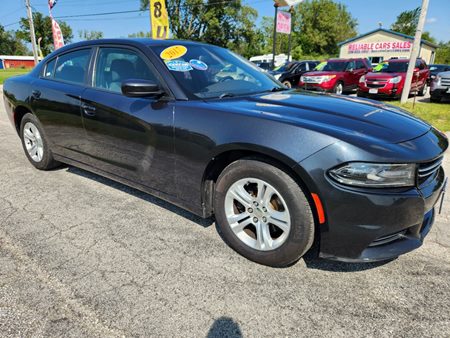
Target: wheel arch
{"points": [[225, 156], [19, 112]]}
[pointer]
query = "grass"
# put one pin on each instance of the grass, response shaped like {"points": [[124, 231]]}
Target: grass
{"points": [[7, 73], [437, 114]]}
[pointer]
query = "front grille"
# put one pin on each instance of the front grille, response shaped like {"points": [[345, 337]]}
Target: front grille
{"points": [[445, 81], [373, 85], [429, 169], [376, 83]]}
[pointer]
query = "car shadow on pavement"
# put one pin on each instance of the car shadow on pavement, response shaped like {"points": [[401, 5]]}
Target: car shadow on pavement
{"points": [[142, 195], [224, 327], [313, 261]]}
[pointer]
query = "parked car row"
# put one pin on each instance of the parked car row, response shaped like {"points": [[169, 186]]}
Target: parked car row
{"points": [[385, 81]]}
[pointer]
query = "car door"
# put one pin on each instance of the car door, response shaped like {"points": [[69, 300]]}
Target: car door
{"points": [[299, 71], [56, 96], [360, 70], [127, 136]]}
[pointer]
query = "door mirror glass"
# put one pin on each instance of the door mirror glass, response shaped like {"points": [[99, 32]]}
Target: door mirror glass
{"points": [[140, 88]]}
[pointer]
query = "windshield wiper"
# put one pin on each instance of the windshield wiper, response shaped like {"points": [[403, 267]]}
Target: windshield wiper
{"points": [[226, 95], [278, 89]]}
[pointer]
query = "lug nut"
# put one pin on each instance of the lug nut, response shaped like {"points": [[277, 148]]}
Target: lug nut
{"points": [[255, 219], [264, 209], [255, 204], [250, 210], [264, 219]]}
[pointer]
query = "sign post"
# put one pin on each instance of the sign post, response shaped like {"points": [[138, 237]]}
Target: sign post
{"points": [[274, 47], [159, 19]]}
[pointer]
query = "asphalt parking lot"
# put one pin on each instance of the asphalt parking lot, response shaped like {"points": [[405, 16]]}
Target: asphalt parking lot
{"points": [[81, 255]]}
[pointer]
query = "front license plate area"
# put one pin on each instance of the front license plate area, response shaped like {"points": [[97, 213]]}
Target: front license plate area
{"points": [[373, 91]]}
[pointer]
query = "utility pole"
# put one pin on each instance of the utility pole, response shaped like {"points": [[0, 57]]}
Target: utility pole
{"points": [[274, 47], [32, 33], [292, 11], [415, 51]]}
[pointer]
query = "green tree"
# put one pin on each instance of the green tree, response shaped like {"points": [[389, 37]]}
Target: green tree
{"points": [[90, 35], [282, 42], [320, 25], [443, 53], [219, 24], [43, 29], [407, 22], [10, 43], [140, 35]]}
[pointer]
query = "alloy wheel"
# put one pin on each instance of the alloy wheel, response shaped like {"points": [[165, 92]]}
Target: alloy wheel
{"points": [[33, 142], [257, 214]]}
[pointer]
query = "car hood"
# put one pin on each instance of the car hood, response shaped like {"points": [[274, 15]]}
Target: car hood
{"points": [[322, 73], [343, 117], [381, 75]]}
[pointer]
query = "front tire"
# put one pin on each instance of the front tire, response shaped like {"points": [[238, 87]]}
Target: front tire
{"points": [[35, 144], [287, 84], [263, 213], [338, 88]]}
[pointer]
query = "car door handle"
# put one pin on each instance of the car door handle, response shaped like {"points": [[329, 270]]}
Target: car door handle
{"points": [[88, 110], [36, 94]]}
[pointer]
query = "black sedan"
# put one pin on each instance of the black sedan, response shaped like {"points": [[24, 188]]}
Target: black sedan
{"points": [[279, 169], [290, 73]]}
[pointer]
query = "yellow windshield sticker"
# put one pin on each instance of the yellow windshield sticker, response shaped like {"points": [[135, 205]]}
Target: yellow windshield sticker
{"points": [[173, 52]]}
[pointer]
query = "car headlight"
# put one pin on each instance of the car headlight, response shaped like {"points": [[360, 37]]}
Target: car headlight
{"points": [[362, 79], [326, 78], [375, 175], [396, 79], [302, 79]]}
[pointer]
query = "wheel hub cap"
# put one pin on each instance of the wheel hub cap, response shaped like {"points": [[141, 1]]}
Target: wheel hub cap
{"points": [[33, 142], [257, 214]]}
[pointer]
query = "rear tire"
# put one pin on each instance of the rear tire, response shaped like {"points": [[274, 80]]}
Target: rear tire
{"points": [[262, 213], [35, 143], [423, 91]]}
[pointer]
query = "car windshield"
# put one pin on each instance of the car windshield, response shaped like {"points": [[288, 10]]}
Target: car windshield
{"points": [[394, 67], [285, 67], [438, 68], [335, 66], [211, 72]]}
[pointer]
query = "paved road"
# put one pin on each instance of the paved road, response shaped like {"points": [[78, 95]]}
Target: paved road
{"points": [[81, 255]]}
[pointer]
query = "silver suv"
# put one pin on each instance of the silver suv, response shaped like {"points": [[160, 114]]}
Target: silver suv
{"points": [[440, 87]]}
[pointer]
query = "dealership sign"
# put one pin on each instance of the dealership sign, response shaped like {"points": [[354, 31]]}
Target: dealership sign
{"points": [[284, 22], [382, 46]]}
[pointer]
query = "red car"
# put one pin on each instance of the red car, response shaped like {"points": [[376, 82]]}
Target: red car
{"points": [[337, 76], [390, 80]]}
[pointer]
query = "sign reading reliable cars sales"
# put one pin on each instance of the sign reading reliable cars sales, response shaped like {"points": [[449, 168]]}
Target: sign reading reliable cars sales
{"points": [[159, 19]]}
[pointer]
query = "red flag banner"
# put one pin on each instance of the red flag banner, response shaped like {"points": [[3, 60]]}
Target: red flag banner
{"points": [[52, 3], [58, 39]]}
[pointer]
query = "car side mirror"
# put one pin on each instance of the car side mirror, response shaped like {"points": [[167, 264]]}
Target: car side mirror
{"points": [[350, 70], [141, 88], [416, 70]]}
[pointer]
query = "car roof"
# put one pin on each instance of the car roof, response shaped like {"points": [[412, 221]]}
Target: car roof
{"points": [[129, 41], [346, 60]]}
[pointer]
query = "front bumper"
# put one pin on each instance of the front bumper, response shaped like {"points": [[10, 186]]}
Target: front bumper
{"points": [[366, 225], [440, 92], [324, 87]]}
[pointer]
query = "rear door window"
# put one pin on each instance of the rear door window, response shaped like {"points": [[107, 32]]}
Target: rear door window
{"points": [[50, 68], [73, 66]]}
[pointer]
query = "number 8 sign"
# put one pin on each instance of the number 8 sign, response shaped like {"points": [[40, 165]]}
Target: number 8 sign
{"points": [[159, 19]]}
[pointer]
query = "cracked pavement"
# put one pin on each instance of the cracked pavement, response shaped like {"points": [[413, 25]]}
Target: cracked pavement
{"points": [[81, 255]]}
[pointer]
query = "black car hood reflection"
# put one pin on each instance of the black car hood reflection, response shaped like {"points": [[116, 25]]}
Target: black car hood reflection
{"points": [[336, 116]]}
